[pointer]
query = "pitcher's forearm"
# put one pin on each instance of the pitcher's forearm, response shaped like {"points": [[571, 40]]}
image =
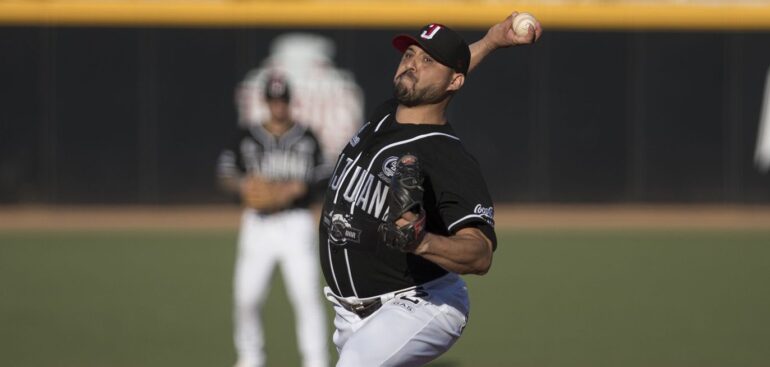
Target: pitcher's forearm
{"points": [[479, 50], [467, 252], [501, 35]]}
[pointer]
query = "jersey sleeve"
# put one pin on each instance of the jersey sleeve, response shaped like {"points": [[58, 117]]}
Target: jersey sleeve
{"points": [[230, 162], [458, 188]]}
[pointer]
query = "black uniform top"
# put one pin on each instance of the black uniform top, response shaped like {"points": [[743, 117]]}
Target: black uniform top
{"points": [[354, 263], [294, 156]]}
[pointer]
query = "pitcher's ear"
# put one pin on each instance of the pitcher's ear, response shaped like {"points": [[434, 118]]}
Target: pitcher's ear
{"points": [[458, 79]]}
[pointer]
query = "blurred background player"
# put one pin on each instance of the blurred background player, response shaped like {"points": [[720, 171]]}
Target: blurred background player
{"points": [[275, 167]]}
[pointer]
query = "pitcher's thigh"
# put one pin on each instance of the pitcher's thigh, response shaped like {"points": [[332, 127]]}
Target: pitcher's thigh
{"points": [[403, 333]]}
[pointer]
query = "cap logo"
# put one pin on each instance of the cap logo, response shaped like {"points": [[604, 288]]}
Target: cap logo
{"points": [[430, 32]]}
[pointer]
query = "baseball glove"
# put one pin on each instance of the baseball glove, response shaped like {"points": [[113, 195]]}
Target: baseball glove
{"points": [[256, 193], [406, 207]]}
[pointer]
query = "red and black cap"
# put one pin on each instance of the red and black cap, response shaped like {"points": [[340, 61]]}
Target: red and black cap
{"points": [[277, 87], [441, 43]]}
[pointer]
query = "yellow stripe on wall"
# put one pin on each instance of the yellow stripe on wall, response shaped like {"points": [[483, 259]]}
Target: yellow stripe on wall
{"points": [[381, 14]]}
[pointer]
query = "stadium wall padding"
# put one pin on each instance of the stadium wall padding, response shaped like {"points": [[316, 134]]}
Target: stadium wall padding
{"points": [[124, 115]]}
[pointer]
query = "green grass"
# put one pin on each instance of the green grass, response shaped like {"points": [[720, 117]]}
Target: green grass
{"points": [[553, 298]]}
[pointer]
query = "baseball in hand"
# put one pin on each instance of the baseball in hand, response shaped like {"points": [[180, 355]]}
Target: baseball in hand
{"points": [[522, 22]]}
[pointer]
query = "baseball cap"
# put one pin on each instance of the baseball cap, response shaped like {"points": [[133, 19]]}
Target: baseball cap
{"points": [[277, 87], [441, 43]]}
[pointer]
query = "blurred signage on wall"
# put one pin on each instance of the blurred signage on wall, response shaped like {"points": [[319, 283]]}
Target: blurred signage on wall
{"points": [[762, 155]]}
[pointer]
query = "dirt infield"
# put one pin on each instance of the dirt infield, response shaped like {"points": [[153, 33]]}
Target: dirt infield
{"points": [[506, 216]]}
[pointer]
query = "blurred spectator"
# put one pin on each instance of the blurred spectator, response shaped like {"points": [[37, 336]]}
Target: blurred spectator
{"points": [[325, 98]]}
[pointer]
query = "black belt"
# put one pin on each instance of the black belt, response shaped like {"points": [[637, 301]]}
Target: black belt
{"points": [[365, 307]]}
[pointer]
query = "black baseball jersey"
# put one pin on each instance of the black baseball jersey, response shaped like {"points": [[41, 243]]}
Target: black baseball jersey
{"points": [[353, 260], [294, 156]]}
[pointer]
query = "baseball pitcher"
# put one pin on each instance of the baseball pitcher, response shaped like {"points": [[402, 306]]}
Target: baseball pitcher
{"points": [[407, 210]]}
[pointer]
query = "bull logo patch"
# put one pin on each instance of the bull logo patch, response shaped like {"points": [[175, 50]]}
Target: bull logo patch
{"points": [[340, 230]]}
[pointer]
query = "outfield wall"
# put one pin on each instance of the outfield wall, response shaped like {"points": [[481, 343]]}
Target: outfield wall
{"points": [[127, 113]]}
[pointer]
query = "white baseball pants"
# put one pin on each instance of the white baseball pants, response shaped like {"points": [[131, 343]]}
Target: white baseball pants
{"points": [[407, 330], [288, 238]]}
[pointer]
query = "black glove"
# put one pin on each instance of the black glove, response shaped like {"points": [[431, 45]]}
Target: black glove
{"points": [[405, 195]]}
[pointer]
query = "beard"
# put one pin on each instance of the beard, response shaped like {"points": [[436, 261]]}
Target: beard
{"points": [[410, 96]]}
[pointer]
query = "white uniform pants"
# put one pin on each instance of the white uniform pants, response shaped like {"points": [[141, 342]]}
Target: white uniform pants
{"points": [[408, 330], [289, 238]]}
